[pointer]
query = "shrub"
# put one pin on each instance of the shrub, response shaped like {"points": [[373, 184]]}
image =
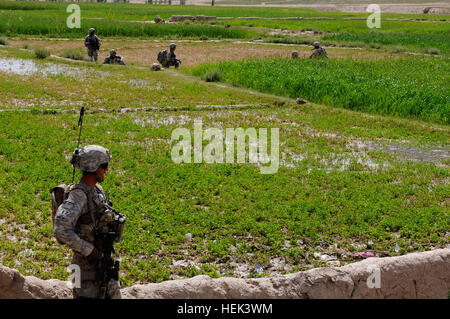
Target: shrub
{"points": [[433, 51], [42, 53], [398, 49], [25, 46], [3, 41], [73, 54], [212, 76]]}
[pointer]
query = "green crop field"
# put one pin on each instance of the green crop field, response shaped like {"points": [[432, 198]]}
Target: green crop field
{"points": [[125, 20], [364, 164], [411, 87]]}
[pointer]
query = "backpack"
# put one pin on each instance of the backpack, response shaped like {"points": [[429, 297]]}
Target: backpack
{"points": [[162, 56], [60, 193]]}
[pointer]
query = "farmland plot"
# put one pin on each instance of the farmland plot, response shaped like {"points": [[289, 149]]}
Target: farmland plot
{"points": [[364, 166]]}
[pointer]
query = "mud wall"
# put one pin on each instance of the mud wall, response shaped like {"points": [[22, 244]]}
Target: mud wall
{"points": [[416, 275]]}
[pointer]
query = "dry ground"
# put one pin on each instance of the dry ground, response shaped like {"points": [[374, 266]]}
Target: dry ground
{"points": [[337, 5], [193, 53]]}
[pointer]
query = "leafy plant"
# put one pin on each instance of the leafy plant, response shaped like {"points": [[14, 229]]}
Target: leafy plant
{"points": [[42, 53], [73, 54], [212, 76]]}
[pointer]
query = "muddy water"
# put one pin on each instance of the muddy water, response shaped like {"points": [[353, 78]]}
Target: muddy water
{"points": [[30, 67], [407, 152]]}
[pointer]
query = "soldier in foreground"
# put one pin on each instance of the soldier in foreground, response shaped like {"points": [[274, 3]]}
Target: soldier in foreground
{"points": [[319, 52], [168, 58], [92, 42], [83, 222], [113, 58]]}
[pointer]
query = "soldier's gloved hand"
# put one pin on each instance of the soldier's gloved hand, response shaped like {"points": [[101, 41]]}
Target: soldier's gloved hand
{"points": [[94, 256]]}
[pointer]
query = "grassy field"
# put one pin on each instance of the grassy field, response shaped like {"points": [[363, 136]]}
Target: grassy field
{"points": [[406, 87], [124, 20], [352, 177]]}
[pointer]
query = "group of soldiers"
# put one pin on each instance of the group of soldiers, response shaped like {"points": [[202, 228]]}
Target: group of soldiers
{"points": [[92, 42], [85, 208], [167, 58]]}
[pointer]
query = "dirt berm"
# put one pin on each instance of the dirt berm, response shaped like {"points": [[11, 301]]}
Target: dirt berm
{"points": [[416, 275]]}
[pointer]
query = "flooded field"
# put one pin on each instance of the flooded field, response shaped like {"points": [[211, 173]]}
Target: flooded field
{"points": [[31, 67]]}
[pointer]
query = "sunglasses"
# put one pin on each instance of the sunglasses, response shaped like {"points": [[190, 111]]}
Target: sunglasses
{"points": [[104, 166]]}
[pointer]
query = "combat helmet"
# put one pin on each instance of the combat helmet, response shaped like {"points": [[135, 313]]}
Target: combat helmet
{"points": [[112, 51], [316, 44], [91, 30], [172, 45], [90, 157]]}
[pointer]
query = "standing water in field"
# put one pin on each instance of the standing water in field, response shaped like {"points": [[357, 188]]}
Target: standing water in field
{"points": [[30, 67]]}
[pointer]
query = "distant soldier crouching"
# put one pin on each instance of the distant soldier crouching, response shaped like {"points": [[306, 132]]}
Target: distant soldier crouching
{"points": [[92, 42], [319, 52], [168, 58], [113, 58]]}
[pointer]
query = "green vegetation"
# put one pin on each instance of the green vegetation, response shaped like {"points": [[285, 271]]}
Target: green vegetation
{"points": [[222, 206], [42, 53], [348, 181], [126, 20], [54, 26], [3, 41], [416, 87], [73, 54], [212, 76]]}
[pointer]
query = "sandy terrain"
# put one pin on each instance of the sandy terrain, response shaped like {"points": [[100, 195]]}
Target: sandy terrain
{"points": [[439, 7], [193, 53]]}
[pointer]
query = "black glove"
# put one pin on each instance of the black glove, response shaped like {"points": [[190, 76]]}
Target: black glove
{"points": [[94, 256]]}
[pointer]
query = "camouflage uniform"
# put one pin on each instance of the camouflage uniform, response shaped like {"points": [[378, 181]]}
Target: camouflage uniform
{"points": [[319, 52], [170, 59], [114, 60], [92, 42], [159, 20], [73, 226]]}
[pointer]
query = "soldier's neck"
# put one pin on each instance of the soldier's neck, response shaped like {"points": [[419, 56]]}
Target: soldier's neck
{"points": [[90, 180]]}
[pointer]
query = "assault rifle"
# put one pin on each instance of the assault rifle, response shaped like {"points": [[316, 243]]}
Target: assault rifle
{"points": [[109, 268]]}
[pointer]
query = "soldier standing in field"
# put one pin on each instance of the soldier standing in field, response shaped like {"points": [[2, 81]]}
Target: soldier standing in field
{"points": [[82, 217], [319, 52], [92, 42], [168, 58]]}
